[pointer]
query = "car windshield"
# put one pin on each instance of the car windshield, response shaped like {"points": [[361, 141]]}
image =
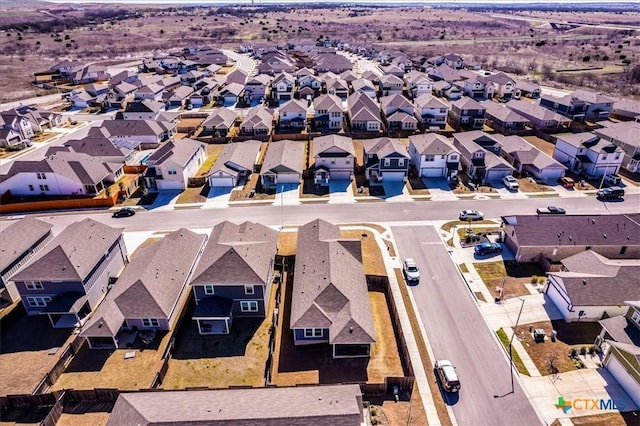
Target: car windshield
{"points": [[411, 268]]}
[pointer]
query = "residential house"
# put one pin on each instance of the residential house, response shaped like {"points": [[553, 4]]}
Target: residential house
{"points": [[568, 106], [151, 91], [503, 86], [308, 81], [476, 87], [364, 113], [599, 106], [330, 304], [540, 117], [258, 122], [150, 294], [444, 89], [220, 122], [348, 76], [89, 74], [283, 163], [331, 62], [337, 87], [453, 60], [481, 164], [625, 109], [399, 113], [365, 86], [466, 114], [445, 73], [504, 119], [590, 287], [588, 153], [192, 77], [20, 242], [233, 276], [11, 139], [418, 84], [327, 113], [81, 99], [528, 160], [625, 136], [293, 116], [275, 62], [619, 347], [433, 155], [121, 94], [234, 165], [40, 119], [528, 89], [238, 76], [551, 238], [68, 278], [230, 94], [146, 133], [385, 160], [334, 159], [256, 88], [178, 97], [282, 87], [61, 172], [394, 70], [431, 111], [327, 404], [15, 129], [102, 148], [391, 85], [171, 165], [145, 109]]}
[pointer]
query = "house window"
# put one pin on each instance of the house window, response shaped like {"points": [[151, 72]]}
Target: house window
{"points": [[172, 171], [248, 289], [617, 157], [401, 162], [312, 332], [34, 285], [42, 176], [387, 162], [31, 188], [208, 289], [635, 316], [442, 157], [429, 157], [38, 301], [44, 187], [249, 306], [623, 249], [150, 322], [604, 157]]}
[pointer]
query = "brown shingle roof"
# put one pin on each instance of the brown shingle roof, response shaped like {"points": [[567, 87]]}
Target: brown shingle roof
{"points": [[19, 237], [286, 154]]}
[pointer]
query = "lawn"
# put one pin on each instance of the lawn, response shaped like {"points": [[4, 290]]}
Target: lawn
{"points": [[196, 195], [371, 255], [287, 243], [573, 335], [517, 361], [530, 185], [510, 276], [605, 419], [463, 224]]}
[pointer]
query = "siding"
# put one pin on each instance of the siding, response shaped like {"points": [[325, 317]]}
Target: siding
{"points": [[237, 294], [298, 336]]}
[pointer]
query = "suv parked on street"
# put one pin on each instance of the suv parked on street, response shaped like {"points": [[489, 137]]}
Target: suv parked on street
{"points": [[447, 375], [612, 193], [411, 271]]}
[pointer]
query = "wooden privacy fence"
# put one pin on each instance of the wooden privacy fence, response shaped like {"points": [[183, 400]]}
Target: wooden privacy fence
{"points": [[56, 371], [79, 203]]}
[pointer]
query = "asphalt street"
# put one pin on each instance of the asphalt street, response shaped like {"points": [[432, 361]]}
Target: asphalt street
{"points": [[458, 332]]}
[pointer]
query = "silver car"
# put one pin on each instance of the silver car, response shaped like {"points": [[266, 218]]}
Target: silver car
{"points": [[471, 215], [411, 271]]}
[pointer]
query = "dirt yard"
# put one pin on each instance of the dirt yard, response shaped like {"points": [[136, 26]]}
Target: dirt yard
{"points": [[510, 276]]}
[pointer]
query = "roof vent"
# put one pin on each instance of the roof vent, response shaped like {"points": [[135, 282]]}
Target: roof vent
{"points": [[350, 330], [604, 235], [584, 282], [593, 221]]}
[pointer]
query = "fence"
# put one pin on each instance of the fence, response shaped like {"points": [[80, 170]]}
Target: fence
{"points": [[134, 170], [78, 203], [56, 371], [56, 411]]}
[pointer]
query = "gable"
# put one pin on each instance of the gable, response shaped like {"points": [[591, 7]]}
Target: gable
{"points": [[312, 317]]}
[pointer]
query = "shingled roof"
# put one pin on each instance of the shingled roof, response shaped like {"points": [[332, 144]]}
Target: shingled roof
{"points": [[285, 155], [237, 156], [329, 288], [19, 237]]}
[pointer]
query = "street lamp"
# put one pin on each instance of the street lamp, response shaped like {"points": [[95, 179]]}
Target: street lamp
{"points": [[515, 330]]}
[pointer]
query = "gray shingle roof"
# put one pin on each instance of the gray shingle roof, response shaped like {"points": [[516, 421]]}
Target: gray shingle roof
{"points": [[242, 154], [179, 151], [329, 288], [383, 147], [72, 254], [19, 237], [432, 143], [286, 154], [221, 118], [335, 404], [237, 255], [322, 143]]}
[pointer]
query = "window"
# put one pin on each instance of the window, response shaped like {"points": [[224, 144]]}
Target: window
{"points": [[249, 306], [44, 187], [150, 322], [38, 301], [387, 162], [31, 188], [312, 332], [42, 176], [635, 316], [172, 171], [604, 157], [34, 285], [429, 157], [248, 289], [401, 162], [208, 289]]}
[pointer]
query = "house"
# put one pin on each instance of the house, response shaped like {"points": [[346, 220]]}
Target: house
{"points": [[327, 113], [588, 153], [365, 86], [13, 120], [504, 119], [20, 242], [282, 87], [433, 155], [146, 133], [476, 87], [68, 278], [399, 113], [619, 346], [337, 87], [281, 406], [431, 111], [331, 62], [625, 109], [151, 91], [309, 80], [418, 84], [445, 73], [220, 122], [453, 60], [233, 276], [466, 114], [330, 304], [256, 87], [275, 62], [599, 106], [444, 89], [89, 74], [61, 172], [11, 139], [150, 294], [504, 87], [390, 85], [293, 116], [568, 106], [171, 165], [540, 117], [364, 113], [385, 160], [590, 287], [283, 163], [102, 148], [334, 159], [81, 99], [231, 93], [625, 136], [146, 109], [258, 122], [529, 160], [235, 163], [392, 69], [178, 97], [527, 89], [479, 159], [551, 238]]}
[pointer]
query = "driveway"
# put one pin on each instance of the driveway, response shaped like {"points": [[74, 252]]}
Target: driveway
{"points": [[396, 191], [287, 195], [218, 197], [165, 200], [341, 191], [439, 189]]}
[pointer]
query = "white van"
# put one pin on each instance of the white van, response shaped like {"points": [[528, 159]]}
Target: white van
{"points": [[446, 373]]}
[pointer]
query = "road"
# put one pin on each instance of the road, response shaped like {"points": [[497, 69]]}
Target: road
{"points": [[458, 332]]}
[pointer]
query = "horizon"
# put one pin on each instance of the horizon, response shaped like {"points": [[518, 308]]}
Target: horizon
{"points": [[338, 2]]}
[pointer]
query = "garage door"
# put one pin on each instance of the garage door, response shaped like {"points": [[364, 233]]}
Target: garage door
{"points": [[431, 172], [342, 175], [624, 379], [221, 181], [288, 178], [495, 175], [393, 176], [169, 184]]}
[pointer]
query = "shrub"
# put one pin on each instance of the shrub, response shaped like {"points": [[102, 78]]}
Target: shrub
{"points": [[592, 350], [586, 58], [534, 279], [583, 350], [573, 353]]}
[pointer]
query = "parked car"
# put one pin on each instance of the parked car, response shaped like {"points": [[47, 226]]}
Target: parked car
{"points": [[567, 182], [471, 215], [487, 248], [511, 183], [551, 210], [613, 179], [124, 212], [411, 271], [447, 375], [610, 193]]}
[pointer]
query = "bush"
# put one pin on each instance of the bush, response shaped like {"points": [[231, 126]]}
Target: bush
{"points": [[592, 350], [586, 58], [583, 350], [534, 279], [573, 353]]}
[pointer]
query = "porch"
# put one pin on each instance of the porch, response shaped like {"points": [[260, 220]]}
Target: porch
{"points": [[213, 315], [67, 310]]}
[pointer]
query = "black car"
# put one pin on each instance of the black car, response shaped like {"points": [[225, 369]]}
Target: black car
{"points": [[124, 212], [610, 193], [487, 248]]}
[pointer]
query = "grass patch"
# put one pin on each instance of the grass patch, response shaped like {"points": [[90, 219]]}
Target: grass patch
{"points": [[517, 361], [462, 231], [463, 268], [213, 152], [371, 255], [609, 419], [287, 243], [194, 195], [510, 276], [463, 223]]}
